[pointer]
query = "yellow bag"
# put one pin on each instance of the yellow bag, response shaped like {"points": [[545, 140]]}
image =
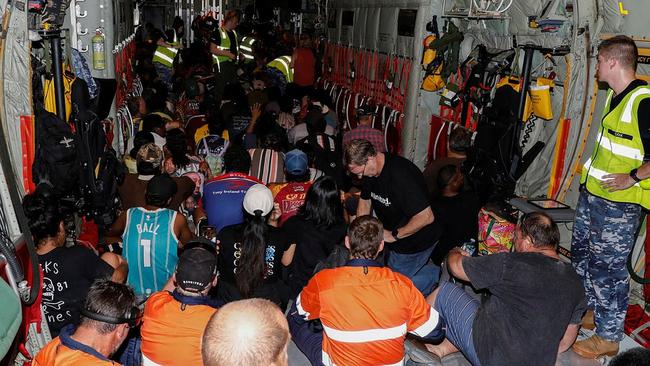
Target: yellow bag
{"points": [[541, 98], [49, 95], [432, 80], [514, 83]]}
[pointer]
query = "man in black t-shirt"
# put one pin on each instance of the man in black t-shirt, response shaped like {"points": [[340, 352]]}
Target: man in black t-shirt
{"points": [[533, 308], [395, 189]]}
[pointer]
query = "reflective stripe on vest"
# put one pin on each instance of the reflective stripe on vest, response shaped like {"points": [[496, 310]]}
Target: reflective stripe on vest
{"points": [[283, 63], [618, 149], [165, 55], [224, 46], [246, 48]]}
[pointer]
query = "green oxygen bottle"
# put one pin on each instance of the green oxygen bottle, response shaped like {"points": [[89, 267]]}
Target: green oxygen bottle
{"points": [[99, 53]]}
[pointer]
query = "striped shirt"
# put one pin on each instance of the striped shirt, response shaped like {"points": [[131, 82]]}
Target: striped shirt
{"points": [[267, 165], [366, 311]]}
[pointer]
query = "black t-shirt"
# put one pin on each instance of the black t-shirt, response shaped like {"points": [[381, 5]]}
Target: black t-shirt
{"points": [[68, 274], [313, 244], [643, 114], [458, 219], [532, 300], [397, 194], [230, 239]]}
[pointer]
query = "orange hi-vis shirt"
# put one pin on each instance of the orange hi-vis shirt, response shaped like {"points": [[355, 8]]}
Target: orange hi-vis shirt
{"points": [[65, 351], [366, 311], [172, 331]]}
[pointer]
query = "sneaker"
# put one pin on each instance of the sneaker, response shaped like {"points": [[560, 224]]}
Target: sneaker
{"points": [[588, 320], [595, 347]]}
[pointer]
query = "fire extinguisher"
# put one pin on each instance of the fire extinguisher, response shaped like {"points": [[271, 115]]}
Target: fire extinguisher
{"points": [[99, 54]]}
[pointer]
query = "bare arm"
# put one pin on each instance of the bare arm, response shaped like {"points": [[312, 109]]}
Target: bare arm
{"points": [[363, 208], [455, 263], [114, 234], [121, 268], [287, 257], [294, 56], [417, 222], [182, 230], [569, 337]]}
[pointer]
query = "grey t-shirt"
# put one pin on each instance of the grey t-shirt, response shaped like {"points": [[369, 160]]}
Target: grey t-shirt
{"points": [[532, 299]]}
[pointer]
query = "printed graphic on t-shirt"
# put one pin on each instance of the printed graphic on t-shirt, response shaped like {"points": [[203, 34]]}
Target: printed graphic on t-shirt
{"points": [[383, 200], [52, 288], [269, 258]]}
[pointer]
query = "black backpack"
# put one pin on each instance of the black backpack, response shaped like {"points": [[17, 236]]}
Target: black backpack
{"points": [[56, 161], [327, 159]]}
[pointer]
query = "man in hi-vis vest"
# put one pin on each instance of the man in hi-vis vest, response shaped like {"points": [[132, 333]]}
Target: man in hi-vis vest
{"points": [[163, 58], [614, 190], [224, 46]]}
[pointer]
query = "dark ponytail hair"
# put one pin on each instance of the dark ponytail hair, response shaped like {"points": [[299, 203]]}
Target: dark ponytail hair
{"points": [[252, 264], [43, 217], [323, 205]]}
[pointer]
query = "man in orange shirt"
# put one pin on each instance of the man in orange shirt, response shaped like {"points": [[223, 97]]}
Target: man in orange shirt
{"points": [[365, 309], [173, 322], [109, 312]]}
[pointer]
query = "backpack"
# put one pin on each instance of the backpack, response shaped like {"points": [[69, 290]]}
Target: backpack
{"points": [[327, 160], [56, 161]]}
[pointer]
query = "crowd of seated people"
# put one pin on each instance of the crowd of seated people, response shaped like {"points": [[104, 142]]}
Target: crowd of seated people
{"points": [[231, 214]]}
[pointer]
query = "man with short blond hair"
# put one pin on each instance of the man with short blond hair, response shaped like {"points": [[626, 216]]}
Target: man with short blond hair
{"points": [[614, 191], [250, 332]]}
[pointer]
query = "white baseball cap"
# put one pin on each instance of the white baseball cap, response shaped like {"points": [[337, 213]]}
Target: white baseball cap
{"points": [[258, 198]]}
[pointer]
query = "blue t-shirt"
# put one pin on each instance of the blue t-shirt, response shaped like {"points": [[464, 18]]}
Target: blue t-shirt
{"points": [[223, 198]]}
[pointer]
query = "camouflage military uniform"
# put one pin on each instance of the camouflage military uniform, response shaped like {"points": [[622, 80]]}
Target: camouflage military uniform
{"points": [[604, 233]]}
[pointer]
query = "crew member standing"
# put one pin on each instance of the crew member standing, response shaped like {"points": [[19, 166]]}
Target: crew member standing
{"points": [[614, 191], [395, 189], [224, 47]]}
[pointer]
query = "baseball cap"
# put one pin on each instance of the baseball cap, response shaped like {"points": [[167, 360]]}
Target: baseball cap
{"points": [[365, 110], [150, 153], [258, 198], [161, 186], [197, 265], [295, 162]]}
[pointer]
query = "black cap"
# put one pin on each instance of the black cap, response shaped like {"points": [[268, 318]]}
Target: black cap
{"points": [[365, 110], [197, 265], [161, 186]]}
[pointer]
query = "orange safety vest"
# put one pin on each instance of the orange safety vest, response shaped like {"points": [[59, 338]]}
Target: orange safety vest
{"points": [[55, 353], [172, 331]]}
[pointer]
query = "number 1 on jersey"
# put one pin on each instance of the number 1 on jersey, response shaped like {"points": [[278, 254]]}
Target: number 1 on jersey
{"points": [[146, 252]]}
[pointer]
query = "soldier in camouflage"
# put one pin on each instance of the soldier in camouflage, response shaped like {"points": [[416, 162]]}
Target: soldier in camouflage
{"points": [[614, 190]]}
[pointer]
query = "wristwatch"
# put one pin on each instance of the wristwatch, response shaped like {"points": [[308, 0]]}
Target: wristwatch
{"points": [[395, 232], [634, 176]]}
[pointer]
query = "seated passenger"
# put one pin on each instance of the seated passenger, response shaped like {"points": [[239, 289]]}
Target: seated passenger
{"points": [[68, 272], [251, 253], [456, 211], [149, 161], [460, 141], [151, 236], [173, 322], [365, 130], [223, 195], [267, 160], [314, 232], [366, 309], [246, 332], [534, 307], [291, 195], [110, 310]]}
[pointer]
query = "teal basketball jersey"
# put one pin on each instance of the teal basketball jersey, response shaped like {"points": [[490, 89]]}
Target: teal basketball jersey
{"points": [[150, 248]]}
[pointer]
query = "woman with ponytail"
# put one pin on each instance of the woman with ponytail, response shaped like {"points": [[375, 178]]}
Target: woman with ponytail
{"points": [[68, 272], [314, 232], [250, 253]]}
